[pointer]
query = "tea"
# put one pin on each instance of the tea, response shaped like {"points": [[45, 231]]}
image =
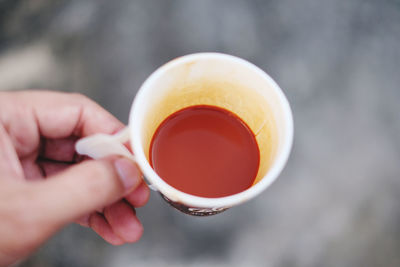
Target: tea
{"points": [[205, 151]]}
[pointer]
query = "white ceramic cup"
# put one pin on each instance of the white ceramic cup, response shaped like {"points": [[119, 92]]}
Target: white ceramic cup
{"points": [[204, 79]]}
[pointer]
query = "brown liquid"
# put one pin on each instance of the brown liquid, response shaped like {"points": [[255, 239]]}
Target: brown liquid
{"points": [[205, 151]]}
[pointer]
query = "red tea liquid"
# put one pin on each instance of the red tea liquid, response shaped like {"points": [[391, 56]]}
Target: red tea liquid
{"points": [[205, 151]]}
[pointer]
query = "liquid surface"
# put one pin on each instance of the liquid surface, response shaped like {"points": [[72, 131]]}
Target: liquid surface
{"points": [[205, 151]]}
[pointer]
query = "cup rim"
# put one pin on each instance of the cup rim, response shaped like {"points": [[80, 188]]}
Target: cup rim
{"points": [[197, 201]]}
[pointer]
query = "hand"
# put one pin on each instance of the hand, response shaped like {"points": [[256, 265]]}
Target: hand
{"points": [[43, 184]]}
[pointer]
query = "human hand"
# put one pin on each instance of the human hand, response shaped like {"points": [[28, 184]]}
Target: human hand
{"points": [[43, 184]]}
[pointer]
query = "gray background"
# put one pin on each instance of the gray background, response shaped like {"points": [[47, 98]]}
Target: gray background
{"points": [[337, 203]]}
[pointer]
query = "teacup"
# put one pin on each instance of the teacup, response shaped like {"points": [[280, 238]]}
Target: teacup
{"points": [[212, 79]]}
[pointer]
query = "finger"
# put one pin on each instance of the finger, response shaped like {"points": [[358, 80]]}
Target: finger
{"points": [[99, 224], [32, 171], [9, 162], [123, 221], [84, 220], [83, 188], [50, 168], [59, 149], [73, 114], [54, 115], [139, 196]]}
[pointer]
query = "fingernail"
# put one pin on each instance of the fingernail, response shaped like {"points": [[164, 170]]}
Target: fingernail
{"points": [[128, 173]]}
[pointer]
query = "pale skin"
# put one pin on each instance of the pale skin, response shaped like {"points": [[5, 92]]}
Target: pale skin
{"points": [[44, 185]]}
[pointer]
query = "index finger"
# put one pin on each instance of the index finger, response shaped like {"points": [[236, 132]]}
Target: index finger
{"points": [[36, 115], [60, 115]]}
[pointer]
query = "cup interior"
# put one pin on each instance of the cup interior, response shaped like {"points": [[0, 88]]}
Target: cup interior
{"points": [[218, 80]]}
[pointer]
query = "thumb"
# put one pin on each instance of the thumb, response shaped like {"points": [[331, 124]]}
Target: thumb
{"points": [[85, 187]]}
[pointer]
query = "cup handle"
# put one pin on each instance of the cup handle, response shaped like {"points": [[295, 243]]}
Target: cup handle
{"points": [[102, 145]]}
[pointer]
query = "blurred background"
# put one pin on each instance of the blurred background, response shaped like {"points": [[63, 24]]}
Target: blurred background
{"points": [[337, 203]]}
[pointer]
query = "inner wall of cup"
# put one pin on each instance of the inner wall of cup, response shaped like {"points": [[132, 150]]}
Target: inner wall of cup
{"points": [[230, 85]]}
